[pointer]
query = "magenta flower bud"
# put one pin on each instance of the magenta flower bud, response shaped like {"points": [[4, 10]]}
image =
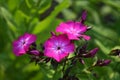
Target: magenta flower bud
{"points": [[84, 15], [102, 62], [91, 53], [58, 47], [22, 44], [105, 62], [81, 50], [34, 52]]}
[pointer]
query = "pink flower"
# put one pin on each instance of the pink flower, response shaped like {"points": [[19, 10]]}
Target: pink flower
{"points": [[58, 47], [21, 46], [74, 30]]}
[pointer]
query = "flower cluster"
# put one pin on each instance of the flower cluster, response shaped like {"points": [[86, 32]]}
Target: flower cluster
{"points": [[58, 47]]}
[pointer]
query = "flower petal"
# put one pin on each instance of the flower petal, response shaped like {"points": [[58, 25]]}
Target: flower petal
{"points": [[29, 38], [85, 37]]}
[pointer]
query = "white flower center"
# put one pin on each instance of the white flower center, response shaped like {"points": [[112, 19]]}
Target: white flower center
{"points": [[73, 31]]}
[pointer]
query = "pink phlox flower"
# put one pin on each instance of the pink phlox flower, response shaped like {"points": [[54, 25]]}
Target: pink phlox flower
{"points": [[58, 47], [74, 30], [22, 44]]}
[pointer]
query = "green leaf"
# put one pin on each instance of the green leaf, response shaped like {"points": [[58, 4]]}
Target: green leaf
{"points": [[67, 12], [13, 4], [47, 22], [102, 47], [8, 17], [114, 4], [44, 6], [105, 32], [31, 67]]}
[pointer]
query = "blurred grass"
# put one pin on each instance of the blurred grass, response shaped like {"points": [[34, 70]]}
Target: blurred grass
{"points": [[42, 16]]}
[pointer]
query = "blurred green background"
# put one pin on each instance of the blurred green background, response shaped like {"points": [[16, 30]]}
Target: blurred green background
{"points": [[42, 16]]}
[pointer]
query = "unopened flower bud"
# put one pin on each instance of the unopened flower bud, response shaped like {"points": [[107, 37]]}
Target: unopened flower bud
{"points": [[84, 14], [91, 53], [115, 52], [34, 52], [103, 62]]}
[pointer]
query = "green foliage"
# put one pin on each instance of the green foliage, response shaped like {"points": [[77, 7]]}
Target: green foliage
{"points": [[42, 16]]}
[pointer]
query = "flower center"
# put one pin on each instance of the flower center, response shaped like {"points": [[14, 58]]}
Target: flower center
{"points": [[58, 48], [23, 42], [73, 31]]}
